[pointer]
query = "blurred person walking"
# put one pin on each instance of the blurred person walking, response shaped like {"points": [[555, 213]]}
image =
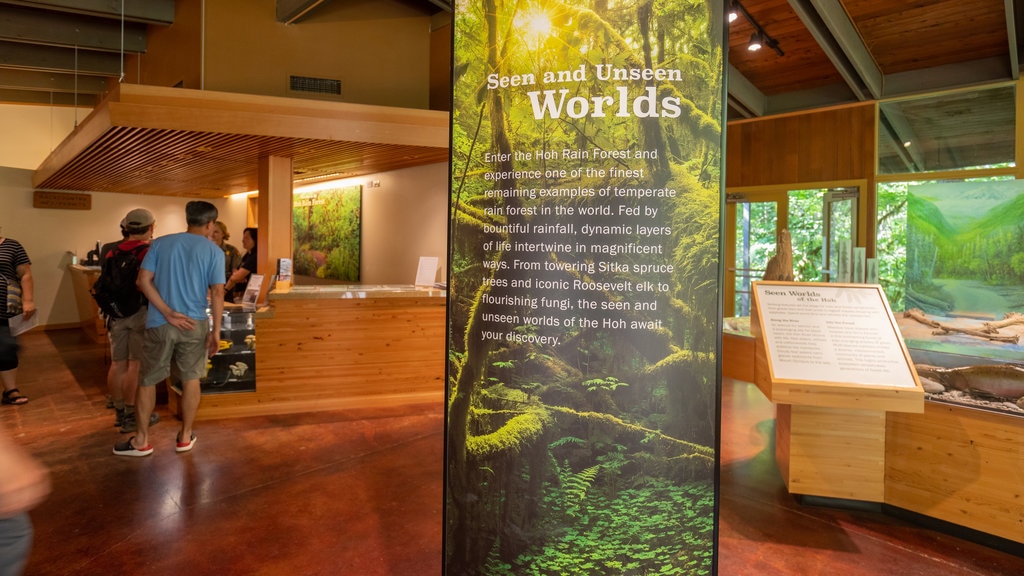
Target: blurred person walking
{"points": [[17, 298]]}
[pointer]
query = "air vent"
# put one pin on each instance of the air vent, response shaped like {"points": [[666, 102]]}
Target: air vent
{"points": [[314, 85]]}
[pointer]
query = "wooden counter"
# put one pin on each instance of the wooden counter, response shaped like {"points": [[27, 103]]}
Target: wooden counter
{"points": [[82, 279], [336, 347]]}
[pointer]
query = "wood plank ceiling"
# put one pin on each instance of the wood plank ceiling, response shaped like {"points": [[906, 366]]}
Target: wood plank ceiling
{"points": [[138, 141], [829, 52]]}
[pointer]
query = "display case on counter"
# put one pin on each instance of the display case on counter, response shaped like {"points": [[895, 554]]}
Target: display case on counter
{"points": [[233, 367]]}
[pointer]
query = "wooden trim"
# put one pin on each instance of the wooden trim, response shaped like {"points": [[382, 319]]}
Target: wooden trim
{"points": [[796, 113], [945, 175]]}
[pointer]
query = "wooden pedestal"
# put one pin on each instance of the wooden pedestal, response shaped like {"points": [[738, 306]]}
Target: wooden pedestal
{"points": [[82, 279], [831, 452]]}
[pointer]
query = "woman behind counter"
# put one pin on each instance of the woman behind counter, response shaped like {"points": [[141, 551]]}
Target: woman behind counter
{"points": [[239, 279], [232, 257]]}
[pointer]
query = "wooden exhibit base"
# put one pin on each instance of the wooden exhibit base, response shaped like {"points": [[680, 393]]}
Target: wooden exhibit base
{"points": [[831, 452], [959, 465]]}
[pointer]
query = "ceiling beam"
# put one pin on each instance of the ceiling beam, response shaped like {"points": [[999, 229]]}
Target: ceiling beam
{"points": [[83, 32], [52, 82], [828, 22], [1013, 9], [145, 11], [291, 11], [48, 98], [445, 5], [975, 72], [743, 92], [830, 95], [57, 59]]}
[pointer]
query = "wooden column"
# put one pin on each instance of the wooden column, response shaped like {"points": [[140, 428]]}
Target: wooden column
{"points": [[274, 217]]}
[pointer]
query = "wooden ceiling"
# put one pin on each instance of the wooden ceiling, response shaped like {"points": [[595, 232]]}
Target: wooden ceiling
{"points": [[831, 52], [196, 143], [936, 65], [840, 51]]}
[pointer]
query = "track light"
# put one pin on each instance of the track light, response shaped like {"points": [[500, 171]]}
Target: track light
{"points": [[755, 42], [759, 38]]}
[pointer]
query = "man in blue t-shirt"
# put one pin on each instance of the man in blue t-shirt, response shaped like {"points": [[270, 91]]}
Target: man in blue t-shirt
{"points": [[176, 275]]}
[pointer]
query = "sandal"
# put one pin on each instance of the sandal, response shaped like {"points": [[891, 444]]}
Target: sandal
{"points": [[14, 397]]}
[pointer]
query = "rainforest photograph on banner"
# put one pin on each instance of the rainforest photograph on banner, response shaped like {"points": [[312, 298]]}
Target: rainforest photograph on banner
{"points": [[584, 287]]}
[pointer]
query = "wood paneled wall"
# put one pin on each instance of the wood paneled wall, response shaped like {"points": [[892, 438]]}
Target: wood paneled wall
{"points": [[817, 146]]}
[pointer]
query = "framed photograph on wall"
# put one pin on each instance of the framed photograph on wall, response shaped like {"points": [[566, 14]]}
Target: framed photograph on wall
{"points": [[326, 235]]}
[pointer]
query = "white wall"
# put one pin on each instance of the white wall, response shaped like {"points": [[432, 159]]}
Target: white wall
{"points": [[32, 132], [49, 234], [404, 217]]}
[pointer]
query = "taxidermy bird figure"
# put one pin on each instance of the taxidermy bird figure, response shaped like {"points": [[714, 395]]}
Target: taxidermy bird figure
{"points": [[780, 266]]}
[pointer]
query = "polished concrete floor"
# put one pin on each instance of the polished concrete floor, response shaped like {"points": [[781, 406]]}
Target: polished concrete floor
{"points": [[360, 493]]}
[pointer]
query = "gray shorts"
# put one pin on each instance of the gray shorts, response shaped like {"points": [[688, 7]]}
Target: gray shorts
{"points": [[166, 344], [127, 336]]}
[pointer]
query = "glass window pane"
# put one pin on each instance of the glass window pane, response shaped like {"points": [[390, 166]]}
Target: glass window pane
{"points": [[968, 129], [755, 244]]}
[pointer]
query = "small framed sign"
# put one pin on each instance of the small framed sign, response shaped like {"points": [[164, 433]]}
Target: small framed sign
{"points": [[61, 200]]}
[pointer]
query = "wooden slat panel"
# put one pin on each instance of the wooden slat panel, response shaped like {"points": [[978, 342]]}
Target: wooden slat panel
{"points": [[804, 65], [905, 36], [149, 140]]}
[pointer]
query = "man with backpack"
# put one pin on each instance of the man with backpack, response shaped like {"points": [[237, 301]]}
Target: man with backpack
{"points": [[125, 308], [183, 279]]}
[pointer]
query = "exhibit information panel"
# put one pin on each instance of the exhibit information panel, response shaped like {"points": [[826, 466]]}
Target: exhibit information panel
{"points": [[840, 333], [584, 301]]}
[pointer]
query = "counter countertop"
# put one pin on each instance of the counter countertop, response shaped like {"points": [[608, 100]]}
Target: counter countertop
{"points": [[305, 292]]}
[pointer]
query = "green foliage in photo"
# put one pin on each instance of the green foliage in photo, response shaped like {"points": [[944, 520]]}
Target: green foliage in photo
{"points": [[326, 234]]}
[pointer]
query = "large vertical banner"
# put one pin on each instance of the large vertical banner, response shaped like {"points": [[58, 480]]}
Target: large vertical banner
{"points": [[584, 319]]}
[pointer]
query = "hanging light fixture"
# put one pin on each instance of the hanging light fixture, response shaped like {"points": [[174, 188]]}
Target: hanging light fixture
{"points": [[755, 42], [759, 38]]}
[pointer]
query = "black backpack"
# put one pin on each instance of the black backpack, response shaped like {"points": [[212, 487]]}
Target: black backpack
{"points": [[115, 291]]}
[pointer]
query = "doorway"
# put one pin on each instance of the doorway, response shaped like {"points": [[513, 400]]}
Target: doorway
{"points": [[822, 223]]}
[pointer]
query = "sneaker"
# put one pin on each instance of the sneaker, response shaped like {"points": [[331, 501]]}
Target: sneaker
{"points": [[118, 417], [126, 448], [185, 446], [131, 425]]}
